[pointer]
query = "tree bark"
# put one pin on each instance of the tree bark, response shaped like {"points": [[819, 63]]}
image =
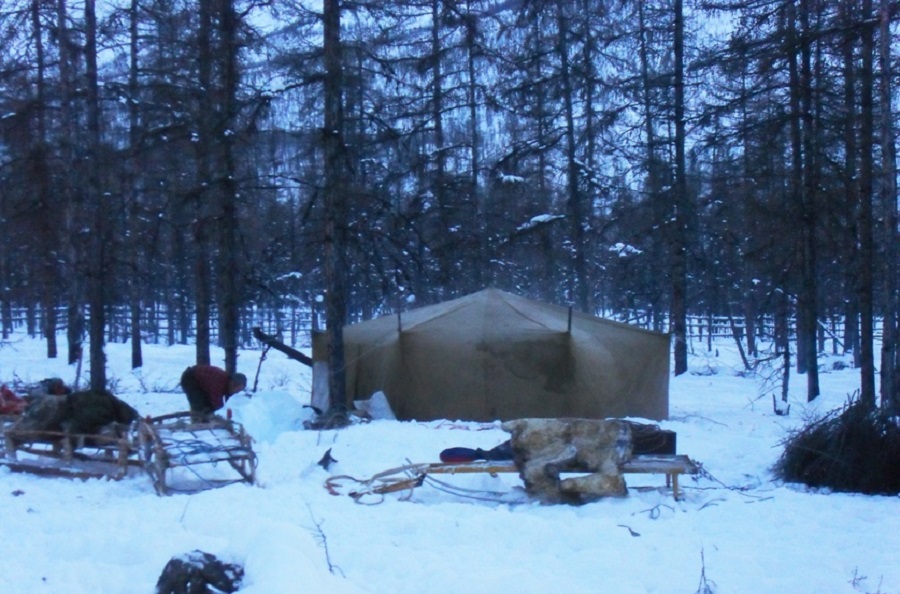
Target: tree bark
{"points": [[851, 185], [808, 292], [132, 169], [680, 200], [890, 357], [481, 271], [100, 202], [577, 216], [71, 189], [202, 272], [335, 208], [865, 223], [230, 273], [49, 237]]}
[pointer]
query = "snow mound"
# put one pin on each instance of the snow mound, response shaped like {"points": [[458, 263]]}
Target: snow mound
{"points": [[377, 407], [266, 415]]}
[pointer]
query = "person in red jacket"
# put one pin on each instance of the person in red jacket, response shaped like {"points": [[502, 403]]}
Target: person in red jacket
{"points": [[208, 387]]}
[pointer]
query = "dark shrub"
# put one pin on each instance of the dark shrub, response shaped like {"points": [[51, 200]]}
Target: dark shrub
{"points": [[855, 449]]}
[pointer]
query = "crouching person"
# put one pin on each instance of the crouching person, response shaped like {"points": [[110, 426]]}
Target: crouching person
{"points": [[208, 388]]}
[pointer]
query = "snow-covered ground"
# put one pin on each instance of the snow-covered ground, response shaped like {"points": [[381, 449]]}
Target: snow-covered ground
{"points": [[737, 530]]}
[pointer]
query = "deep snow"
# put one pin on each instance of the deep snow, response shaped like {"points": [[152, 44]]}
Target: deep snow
{"points": [[736, 531]]}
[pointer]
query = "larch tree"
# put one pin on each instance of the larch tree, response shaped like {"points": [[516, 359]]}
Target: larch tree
{"points": [[203, 197], [70, 188], [680, 202], [99, 199], [225, 129], [335, 205], [865, 217], [132, 187], [48, 207], [890, 353]]}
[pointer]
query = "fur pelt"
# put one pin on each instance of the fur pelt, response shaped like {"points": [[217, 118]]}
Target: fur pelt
{"points": [[545, 448]]}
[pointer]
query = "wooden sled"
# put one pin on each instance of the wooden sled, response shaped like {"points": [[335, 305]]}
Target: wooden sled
{"points": [[411, 476], [179, 455], [53, 453], [186, 456]]}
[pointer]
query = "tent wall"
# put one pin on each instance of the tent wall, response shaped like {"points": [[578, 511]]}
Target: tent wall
{"points": [[492, 355]]}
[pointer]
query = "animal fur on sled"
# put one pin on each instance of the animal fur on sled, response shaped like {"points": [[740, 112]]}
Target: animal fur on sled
{"points": [[545, 448], [78, 413]]}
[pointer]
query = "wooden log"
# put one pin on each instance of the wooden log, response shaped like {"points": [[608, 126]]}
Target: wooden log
{"points": [[276, 344]]}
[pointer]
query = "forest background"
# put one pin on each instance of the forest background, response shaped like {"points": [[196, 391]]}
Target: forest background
{"points": [[184, 171]]}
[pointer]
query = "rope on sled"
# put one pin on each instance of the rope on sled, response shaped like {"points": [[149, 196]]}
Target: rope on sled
{"points": [[410, 477], [382, 483], [171, 451]]}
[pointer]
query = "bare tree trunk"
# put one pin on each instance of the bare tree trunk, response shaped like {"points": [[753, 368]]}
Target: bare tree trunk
{"points": [[439, 183], [481, 227], [851, 305], [652, 184], [748, 309], [544, 126], [136, 285], [783, 345], [577, 216], [680, 199], [71, 188], [335, 208], [101, 237], [865, 223], [6, 313], [809, 214], [890, 356], [49, 237], [799, 165], [229, 273], [202, 272]]}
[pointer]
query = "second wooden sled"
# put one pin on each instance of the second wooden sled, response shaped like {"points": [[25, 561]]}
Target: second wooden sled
{"points": [[182, 455]]}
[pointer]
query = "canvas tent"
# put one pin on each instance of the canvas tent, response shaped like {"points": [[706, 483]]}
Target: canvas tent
{"points": [[493, 355]]}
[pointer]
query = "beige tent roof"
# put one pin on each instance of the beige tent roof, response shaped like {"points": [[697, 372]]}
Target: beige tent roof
{"points": [[493, 355]]}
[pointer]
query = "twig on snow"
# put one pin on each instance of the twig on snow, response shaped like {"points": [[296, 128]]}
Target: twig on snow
{"points": [[320, 536], [706, 586]]}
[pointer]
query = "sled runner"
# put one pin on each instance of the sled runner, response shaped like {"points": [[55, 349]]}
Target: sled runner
{"points": [[409, 477]]}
